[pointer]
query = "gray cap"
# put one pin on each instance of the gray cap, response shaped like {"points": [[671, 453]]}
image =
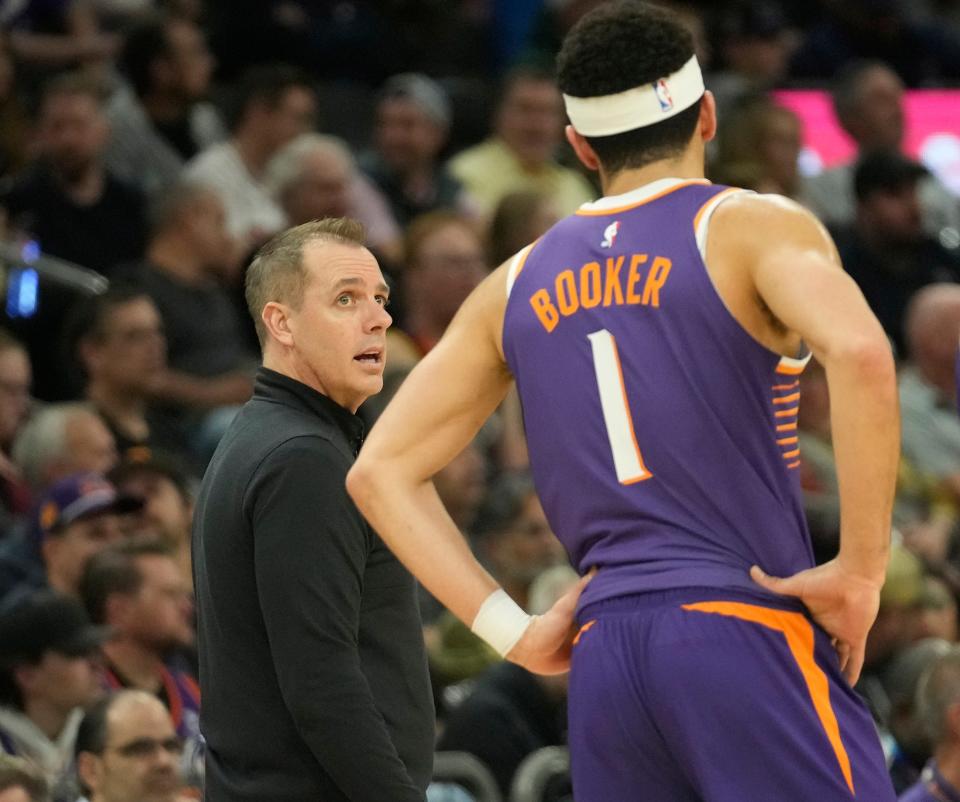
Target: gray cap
{"points": [[423, 91]]}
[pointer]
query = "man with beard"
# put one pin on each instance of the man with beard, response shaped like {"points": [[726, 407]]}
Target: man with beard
{"points": [[74, 209]]}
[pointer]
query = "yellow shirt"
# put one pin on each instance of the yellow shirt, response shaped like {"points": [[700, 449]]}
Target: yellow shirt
{"points": [[490, 170]]}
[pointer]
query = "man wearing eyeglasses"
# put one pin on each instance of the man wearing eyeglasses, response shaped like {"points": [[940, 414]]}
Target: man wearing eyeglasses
{"points": [[128, 751]]}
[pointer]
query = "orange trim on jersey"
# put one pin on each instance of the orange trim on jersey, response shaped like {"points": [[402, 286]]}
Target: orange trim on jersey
{"points": [[715, 199], [794, 464], [626, 406], [787, 399], [787, 441], [523, 259], [786, 386], [798, 633], [627, 207], [787, 427], [786, 413], [790, 370], [791, 454], [583, 629]]}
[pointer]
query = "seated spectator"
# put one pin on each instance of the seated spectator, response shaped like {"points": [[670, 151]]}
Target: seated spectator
{"points": [[121, 346], [521, 154], [15, 378], [931, 428], [136, 589], [410, 131], [938, 611], [868, 103], [757, 147], [20, 782], [75, 210], [48, 675], [128, 751], [315, 176], [63, 439], [444, 261], [519, 219], [76, 517], [161, 119], [167, 511], [905, 725], [887, 251], [511, 713], [275, 105], [938, 702]]}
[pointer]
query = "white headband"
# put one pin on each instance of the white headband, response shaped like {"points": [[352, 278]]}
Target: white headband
{"points": [[643, 105]]}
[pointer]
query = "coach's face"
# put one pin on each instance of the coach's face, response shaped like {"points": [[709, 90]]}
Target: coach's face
{"points": [[339, 331]]}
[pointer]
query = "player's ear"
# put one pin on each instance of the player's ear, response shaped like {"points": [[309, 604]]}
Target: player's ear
{"points": [[582, 148], [708, 116]]}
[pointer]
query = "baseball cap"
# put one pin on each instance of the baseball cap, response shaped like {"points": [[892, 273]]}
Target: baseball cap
{"points": [[47, 622], [77, 496], [885, 171]]}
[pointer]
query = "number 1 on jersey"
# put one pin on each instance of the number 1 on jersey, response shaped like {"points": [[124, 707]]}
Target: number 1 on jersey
{"points": [[627, 460]]}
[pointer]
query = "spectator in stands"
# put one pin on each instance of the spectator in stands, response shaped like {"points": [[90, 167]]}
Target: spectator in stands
{"points": [[128, 751], [48, 675], [167, 504], [410, 131], [886, 250], [136, 589], [938, 611], [63, 439], [931, 428], [315, 176], [519, 219], [521, 154], [900, 682], [76, 517], [190, 262], [68, 201], [444, 261], [275, 104], [938, 702], [120, 344], [868, 103], [758, 146], [15, 378], [524, 711], [21, 782], [161, 119], [14, 121]]}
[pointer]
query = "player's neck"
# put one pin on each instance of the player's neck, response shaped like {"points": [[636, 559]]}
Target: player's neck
{"points": [[688, 165]]}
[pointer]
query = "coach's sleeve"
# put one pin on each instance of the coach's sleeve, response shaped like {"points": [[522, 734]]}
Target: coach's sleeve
{"points": [[310, 549]]}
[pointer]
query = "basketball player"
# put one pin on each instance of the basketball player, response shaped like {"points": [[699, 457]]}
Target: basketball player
{"points": [[656, 337]]}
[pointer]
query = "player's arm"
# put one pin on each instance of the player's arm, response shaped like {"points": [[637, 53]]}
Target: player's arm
{"points": [[796, 272], [436, 413]]}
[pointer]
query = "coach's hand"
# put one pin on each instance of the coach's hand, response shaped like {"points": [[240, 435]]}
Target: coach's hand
{"points": [[545, 646], [843, 602]]}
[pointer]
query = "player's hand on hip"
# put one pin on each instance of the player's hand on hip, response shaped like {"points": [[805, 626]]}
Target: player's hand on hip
{"points": [[545, 646], [844, 603]]}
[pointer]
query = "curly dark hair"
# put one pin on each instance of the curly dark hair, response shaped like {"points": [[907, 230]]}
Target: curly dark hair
{"points": [[617, 47]]}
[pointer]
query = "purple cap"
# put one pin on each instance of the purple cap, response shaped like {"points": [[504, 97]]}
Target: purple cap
{"points": [[77, 496]]}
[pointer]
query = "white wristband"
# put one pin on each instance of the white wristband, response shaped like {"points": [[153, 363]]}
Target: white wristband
{"points": [[500, 622]]}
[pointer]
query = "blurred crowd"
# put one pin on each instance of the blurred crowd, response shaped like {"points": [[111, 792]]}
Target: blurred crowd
{"points": [[161, 142]]}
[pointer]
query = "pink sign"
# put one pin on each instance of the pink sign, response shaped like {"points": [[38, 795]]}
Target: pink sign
{"points": [[932, 135]]}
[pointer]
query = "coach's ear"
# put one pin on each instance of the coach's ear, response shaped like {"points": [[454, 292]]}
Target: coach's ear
{"points": [[582, 148]]}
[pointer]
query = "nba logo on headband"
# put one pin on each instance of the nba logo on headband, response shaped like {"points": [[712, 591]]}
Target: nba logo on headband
{"points": [[663, 95]]}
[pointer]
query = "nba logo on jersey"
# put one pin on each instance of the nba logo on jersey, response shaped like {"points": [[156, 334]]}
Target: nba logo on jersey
{"points": [[663, 95], [610, 234]]}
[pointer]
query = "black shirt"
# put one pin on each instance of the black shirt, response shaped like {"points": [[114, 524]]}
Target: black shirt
{"points": [[312, 663]]}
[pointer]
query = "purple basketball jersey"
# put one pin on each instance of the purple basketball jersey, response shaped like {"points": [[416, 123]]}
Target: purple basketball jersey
{"points": [[662, 436]]}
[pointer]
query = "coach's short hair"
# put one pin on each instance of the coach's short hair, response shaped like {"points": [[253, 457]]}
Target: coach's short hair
{"points": [[620, 46], [277, 273]]}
